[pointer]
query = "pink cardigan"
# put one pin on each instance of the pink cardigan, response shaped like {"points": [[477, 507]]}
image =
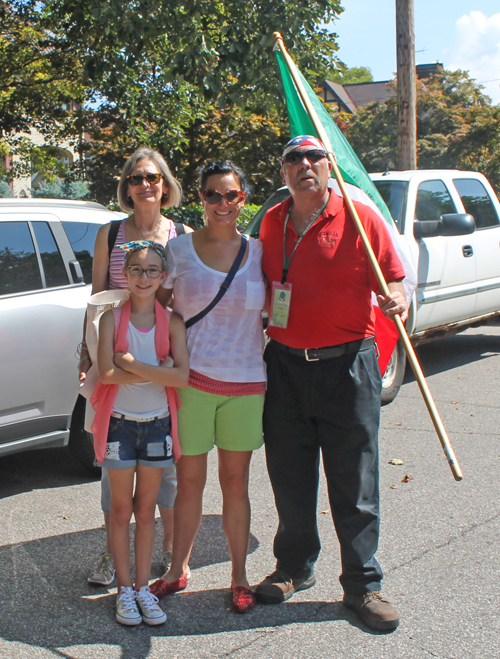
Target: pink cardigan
{"points": [[104, 394]]}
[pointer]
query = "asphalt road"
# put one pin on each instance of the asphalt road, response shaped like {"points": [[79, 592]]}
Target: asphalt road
{"points": [[439, 546]]}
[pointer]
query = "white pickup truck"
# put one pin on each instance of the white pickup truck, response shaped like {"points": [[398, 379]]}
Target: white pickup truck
{"points": [[451, 223]]}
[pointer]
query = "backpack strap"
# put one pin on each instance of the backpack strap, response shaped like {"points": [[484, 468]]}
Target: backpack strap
{"points": [[180, 229], [117, 312], [114, 227]]}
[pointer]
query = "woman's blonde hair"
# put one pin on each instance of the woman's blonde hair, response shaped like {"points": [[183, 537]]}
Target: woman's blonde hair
{"points": [[173, 194]]}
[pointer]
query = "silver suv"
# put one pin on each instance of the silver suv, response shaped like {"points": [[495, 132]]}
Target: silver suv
{"points": [[46, 249]]}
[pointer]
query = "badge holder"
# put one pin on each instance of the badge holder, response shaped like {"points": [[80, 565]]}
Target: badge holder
{"points": [[281, 295]]}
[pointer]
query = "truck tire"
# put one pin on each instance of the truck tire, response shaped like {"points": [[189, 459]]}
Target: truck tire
{"points": [[81, 443], [394, 374]]}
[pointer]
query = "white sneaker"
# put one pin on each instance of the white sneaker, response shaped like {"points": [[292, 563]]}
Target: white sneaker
{"points": [[126, 607], [148, 606], [103, 572]]}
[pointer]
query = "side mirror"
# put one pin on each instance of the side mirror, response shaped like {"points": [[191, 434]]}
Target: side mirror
{"points": [[449, 224], [456, 224]]}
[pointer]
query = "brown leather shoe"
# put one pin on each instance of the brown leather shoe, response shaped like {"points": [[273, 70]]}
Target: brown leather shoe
{"points": [[374, 610], [280, 586]]}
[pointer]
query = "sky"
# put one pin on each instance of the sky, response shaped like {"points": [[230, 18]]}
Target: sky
{"points": [[461, 34]]}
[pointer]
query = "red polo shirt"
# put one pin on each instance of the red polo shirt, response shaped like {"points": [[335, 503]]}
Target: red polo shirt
{"points": [[330, 274]]}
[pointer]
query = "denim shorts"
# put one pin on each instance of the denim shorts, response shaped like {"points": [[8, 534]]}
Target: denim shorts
{"points": [[137, 442]]}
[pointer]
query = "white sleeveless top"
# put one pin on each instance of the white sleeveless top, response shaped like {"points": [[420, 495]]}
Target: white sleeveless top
{"points": [[228, 342], [142, 399]]}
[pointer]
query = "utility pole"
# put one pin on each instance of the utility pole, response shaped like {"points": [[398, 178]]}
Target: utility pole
{"points": [[407, 85]]}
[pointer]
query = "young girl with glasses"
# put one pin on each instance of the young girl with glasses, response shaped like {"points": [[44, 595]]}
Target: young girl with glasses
{"points": [[135, 427]]}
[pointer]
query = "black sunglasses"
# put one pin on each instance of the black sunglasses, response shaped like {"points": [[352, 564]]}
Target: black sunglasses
{"points": [[137, 179], [294, 157], [231, 196]]}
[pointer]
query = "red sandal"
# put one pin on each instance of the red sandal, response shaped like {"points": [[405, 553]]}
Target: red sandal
{"points": [[162, 588], [243, 599]]}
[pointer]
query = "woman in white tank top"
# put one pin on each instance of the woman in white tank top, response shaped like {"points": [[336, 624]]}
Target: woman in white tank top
{"points": [[223, 402]]}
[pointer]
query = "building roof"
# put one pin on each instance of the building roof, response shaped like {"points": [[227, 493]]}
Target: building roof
{"points": [[363, 93], [336, 93], [426, 70], [350, 97]]}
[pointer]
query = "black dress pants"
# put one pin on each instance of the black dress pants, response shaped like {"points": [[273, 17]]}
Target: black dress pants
{"points": [[332, 405]]}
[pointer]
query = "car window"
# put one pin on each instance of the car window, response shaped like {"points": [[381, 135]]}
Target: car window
{"points": [[53, 264], [19, 270], [394, 195], [477, 202], [82, 235], [433, 200]]}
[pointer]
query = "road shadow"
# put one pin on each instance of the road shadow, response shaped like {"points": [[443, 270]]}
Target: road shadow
{"points": [[452, 352], [41, 469], [45, 581]]}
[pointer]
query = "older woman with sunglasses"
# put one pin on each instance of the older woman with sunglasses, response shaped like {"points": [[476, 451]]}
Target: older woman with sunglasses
{"points": [[223, 402], [146, 186]]}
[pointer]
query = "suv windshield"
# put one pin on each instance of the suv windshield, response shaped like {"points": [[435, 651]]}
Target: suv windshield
{"points": [[394, 195]]}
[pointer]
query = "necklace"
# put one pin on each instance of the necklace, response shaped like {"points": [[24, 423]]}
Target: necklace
{"points": [[155, 230], [307, 219]]}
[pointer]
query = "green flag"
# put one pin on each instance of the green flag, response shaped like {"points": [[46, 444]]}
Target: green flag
{"points": [[349, 164]]}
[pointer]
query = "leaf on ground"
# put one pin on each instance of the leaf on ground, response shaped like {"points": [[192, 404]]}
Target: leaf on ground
{"points": [[454, 402], [398, 424], [406, 478], [325, 512], [396, 461], [393, 487], [66, 517]]}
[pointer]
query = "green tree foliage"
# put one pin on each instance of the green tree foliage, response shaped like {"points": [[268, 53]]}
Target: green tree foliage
{"points": [[188, 131], [39, 72], [346, 75], [195, 79], [62, 189], [457, 128], [40, 87], [5, 189], [222, 48]]}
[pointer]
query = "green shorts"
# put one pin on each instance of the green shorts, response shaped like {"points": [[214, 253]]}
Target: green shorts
{"points": [[233, 423]]}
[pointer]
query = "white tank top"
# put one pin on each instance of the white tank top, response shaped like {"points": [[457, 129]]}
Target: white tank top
{"points": [[143, 399], [228, 342]]}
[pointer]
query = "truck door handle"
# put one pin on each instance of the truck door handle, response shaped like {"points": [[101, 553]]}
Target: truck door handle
{"points": [[467, 250]]}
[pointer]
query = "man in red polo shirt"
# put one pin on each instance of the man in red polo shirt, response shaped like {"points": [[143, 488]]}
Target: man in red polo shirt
{"points": [[324, 382]]}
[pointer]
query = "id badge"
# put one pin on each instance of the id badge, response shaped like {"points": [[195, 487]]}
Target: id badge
{"points": [[281, 295]]}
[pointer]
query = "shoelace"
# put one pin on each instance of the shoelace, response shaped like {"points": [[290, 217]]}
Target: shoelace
{"points": [[375, 595], [128, 598], [147, 599]]}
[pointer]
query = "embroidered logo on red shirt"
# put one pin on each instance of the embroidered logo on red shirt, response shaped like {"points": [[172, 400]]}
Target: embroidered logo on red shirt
{"points": [[327, 238]]}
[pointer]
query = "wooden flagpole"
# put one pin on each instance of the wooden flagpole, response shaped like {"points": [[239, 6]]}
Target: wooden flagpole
{"points": [[323, 136]]}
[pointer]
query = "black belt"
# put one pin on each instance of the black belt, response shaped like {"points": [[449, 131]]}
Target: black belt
{"points": [[315, 354]]}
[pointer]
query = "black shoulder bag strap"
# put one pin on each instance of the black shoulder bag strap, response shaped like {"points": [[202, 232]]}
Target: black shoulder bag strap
{"points": [[180, 229], [114, 227], [224, 286]]}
